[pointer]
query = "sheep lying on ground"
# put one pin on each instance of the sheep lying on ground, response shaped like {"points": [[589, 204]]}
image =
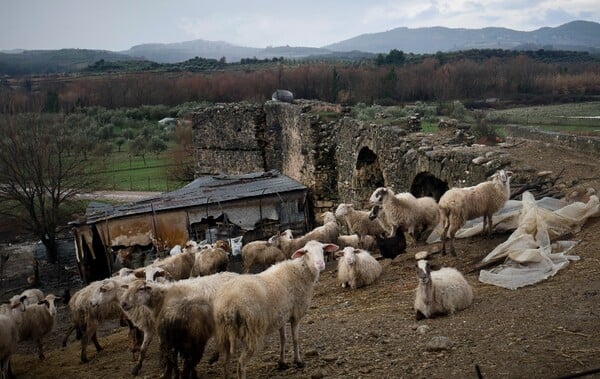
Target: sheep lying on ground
{"points": [[264, 253], [358, 221], [440, 292], [403, 211], [366, 242], [253, 306], [357, 268], [38, 321], [391, 247], [174, 308], [458, 205]]}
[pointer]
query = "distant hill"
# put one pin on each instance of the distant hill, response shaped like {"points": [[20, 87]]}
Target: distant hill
{"points": [[576, 35], [30, 62]]}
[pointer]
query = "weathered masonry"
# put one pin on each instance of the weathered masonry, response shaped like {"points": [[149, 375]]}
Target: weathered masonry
{"points": [[338, 158]]}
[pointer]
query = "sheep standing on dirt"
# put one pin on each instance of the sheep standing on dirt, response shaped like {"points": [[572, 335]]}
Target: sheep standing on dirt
{"points": [[358, 221], [179, 316], [458, 205], [253, 306], [264, 253], [326, 233], [209, 261], [10, 320], [38, 321], [357, 268], [440, 292], [85, 318], [403, 211]]}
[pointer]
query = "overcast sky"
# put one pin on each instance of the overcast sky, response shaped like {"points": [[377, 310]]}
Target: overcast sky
{"points": [[120, 24]]}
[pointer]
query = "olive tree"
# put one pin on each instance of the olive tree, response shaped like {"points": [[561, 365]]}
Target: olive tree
{"points": [[40, 174]]}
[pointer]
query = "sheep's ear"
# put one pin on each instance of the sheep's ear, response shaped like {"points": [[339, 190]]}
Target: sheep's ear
{"points": [[139, 274], [330, 247], [299, 253], [44, 302], [124, 286], [23, 298], [339, 253], [158, 274], [509, 173]]}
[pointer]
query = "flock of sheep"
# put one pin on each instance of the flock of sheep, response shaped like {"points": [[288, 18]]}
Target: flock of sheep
{"points": [[188, 298]]}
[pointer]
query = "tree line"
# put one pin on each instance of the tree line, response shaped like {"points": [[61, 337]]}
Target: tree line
{"points": [[515, 76]]}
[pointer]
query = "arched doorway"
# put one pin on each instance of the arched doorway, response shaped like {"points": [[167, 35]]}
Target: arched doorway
{"points": [[426, 184], [367, 175]]}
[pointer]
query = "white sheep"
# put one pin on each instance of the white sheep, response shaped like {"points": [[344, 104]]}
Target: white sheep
{"points": [[253, 306], [366, 242], [85, 318], [440, 292], [326, 233], [403, 211], [458, 205], [358, 221], [210, 261], [10, 318], [178, 266], [153, 298], [38, 320], [33, 296], [357, 268], [264, 253]]}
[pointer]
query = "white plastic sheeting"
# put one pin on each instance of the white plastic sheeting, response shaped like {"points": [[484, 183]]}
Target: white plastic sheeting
{"points": [[532, 253]]}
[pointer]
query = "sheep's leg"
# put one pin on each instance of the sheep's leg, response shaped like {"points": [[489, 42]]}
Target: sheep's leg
{"points": [[143, 349], [84, 342], [69, 331], [419, 315], [227, 351], [445, 236], [295, 328], [95, 341], [40, 349], [245, 357], [281, 365]]}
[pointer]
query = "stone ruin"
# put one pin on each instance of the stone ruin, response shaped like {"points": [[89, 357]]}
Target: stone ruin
{"points": [[340, 159]]}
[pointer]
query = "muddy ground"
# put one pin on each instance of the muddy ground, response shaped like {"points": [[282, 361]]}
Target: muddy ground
{"points": [[543, 331]]}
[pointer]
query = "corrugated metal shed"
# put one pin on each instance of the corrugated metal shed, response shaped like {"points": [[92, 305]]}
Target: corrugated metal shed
{"points": [[203, 191]]}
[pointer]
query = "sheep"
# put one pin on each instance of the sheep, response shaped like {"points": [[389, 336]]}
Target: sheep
{"points": [[38, 320], [33, 296], [85, 318], [11, 316], [156, 297], [209, 261], [440, 292], [403, 211], [358, 221], [366, 242], [326, 233], [458, 205], [178, 266], [262, 252], [357, 268], [253, 306]]}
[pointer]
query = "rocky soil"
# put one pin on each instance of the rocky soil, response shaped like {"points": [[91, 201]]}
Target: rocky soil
{"points": [[547, 330]]}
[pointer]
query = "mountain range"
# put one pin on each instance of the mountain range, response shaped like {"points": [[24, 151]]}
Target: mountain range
{"points": [[575, 35]]}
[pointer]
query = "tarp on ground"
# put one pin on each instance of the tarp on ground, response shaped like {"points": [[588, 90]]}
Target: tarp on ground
{"points": [[532, 253]]}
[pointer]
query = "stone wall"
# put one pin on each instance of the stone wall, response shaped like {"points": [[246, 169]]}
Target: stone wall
{"points": [[337, 157], [581, 143]]}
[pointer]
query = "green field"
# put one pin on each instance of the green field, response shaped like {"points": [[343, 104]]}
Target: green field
{"points": [[575, 118]]}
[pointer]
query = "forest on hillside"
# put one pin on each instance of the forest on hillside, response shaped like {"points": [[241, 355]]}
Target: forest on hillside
{"points": [[391, 79]]}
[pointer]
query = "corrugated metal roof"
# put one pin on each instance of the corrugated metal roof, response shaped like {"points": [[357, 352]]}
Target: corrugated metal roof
{"points": [[202, 191]]}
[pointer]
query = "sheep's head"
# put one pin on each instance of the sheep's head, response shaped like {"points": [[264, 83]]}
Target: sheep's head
{"points": [[379, 195], [374, 212], [105, 293], [350, 255], [501, 176], [342, 210], [423, 271], [136, 293], [313, 252], [49, 301]]}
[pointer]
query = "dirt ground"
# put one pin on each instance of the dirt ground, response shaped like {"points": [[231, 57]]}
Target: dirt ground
{"points": [[543, 331]]}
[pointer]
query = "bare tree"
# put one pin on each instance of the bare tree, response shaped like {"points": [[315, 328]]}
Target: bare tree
{"points": [[40, 174]]}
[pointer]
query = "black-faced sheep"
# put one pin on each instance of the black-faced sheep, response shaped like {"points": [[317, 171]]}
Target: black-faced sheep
{"points": [[403, 211], [357, 268], [38, 320], [458, 205], [358, 221], [440, 292], [253, 306]]}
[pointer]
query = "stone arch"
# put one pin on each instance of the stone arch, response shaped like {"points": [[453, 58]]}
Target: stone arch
{"points": [[367, 173], [426, 184]]}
